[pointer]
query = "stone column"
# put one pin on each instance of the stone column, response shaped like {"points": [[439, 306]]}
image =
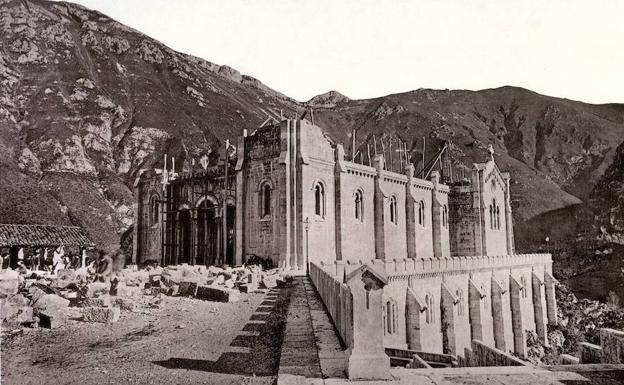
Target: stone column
{"points": [[508, 216], [367, 359], [339, 171], [441, 247], [539, 308], [380, 206], [517, 322], [282, 208], [240, 202], [410, 213], [138, 223]]}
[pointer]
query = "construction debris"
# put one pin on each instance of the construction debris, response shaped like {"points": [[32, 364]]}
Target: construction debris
{"points": [[46, 299], [100, 314]]}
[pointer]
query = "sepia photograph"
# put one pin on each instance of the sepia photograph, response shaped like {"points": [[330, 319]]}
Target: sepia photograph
{"points": [[284, 192]]}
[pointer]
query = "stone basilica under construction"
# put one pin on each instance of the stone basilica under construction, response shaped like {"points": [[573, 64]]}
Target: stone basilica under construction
{"points": [[445, 253]]}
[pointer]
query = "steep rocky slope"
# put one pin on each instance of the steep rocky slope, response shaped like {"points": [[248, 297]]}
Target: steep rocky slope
{"points": [[85, 102]]}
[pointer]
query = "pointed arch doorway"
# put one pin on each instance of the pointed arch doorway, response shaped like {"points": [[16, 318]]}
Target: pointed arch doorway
{"points": [[208, 232]]}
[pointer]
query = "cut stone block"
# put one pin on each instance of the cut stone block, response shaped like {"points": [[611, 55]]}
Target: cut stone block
{"points": [[249, 287], [104, 301], [229, 283], [66, 275], [51, 320], [188, 288], [269, 281], [14, 315], [154, 279], [95, 289], [9, 282], [173, 290], [124, 303], [128, 291], [217, 294], [101, 314], [51, 303], [18, 300]]}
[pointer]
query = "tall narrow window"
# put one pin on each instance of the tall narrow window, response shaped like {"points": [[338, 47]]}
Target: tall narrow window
{"points": [[264, 200], [444, 216], [319, 200], [432, 309], [497, 218], [421, 213], [491, 217], [389, 317], [430, 314], [153, 217], [359, 206], [393, 210], [523, 290], [460, 302], [395, 317]]}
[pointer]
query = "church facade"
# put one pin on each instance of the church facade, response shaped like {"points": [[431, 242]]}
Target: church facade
{"points": [[294, 198], [447, 250]]}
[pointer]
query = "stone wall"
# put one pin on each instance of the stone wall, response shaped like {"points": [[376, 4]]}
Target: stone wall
{"points": [[443, 304], [481, 354], [353, 235], [612, 343], [337, 299]]}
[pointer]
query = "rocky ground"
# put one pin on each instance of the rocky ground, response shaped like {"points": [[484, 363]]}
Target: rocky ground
{"points": [[179, 324], [579, 320], [174, 340]]}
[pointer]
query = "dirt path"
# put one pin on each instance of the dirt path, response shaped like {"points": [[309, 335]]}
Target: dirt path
{"points": [[169, 340]]}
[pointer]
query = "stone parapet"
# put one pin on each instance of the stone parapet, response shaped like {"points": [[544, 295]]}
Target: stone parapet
{"points": [[337, 299], [408, 266]]}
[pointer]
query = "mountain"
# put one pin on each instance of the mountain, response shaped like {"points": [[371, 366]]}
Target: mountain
{"points": [[328, 100], [86, 102]]}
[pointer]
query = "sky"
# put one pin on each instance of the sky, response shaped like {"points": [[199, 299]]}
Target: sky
{"points": [[364, 49]]}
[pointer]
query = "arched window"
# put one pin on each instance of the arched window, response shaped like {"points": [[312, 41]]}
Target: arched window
{"points": [[445, 216], [154, 211], [264, 200], [421, 213], [319, 200], [359, 206], [494, 215], [460, 303], [391, 317], [393, 210]]}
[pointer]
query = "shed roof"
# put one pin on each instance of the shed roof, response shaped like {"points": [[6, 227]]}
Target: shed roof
{"points": [[43, 235]]}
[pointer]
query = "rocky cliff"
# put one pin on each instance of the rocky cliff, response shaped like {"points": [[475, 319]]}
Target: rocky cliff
{"points": [[86, 102]]}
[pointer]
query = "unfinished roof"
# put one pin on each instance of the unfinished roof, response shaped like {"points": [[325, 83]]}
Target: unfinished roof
{"points": [[43, 235]]}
